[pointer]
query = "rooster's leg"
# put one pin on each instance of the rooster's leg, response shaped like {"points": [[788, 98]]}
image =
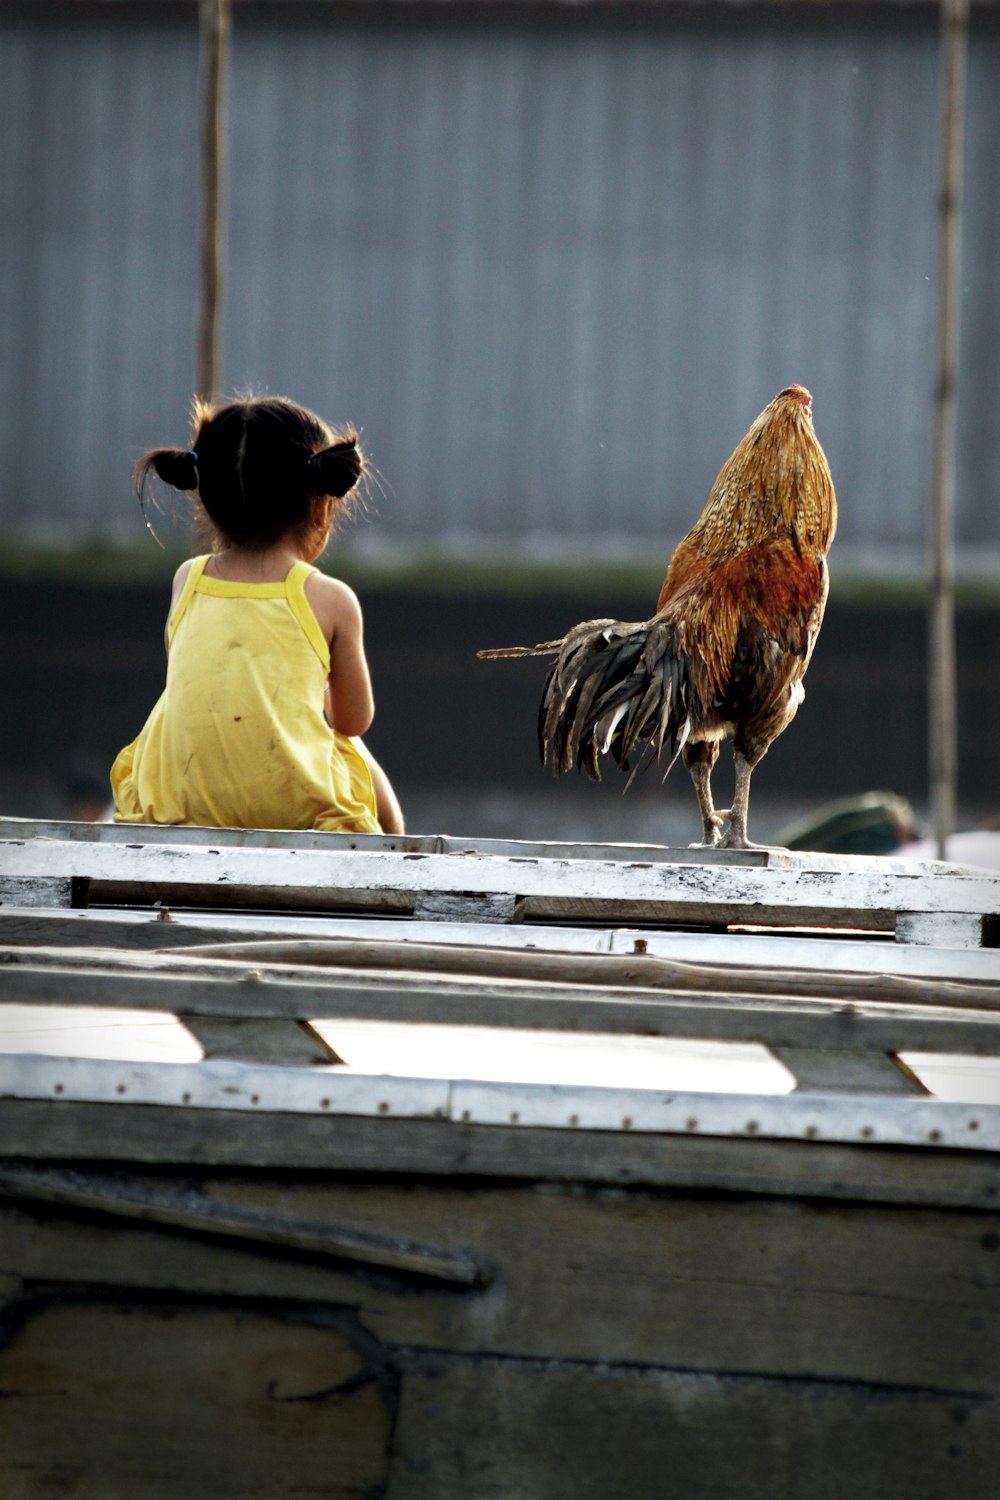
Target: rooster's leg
{"points": [[699, 759], [736, 835]]}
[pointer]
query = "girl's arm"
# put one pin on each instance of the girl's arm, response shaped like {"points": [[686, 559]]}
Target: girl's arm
{"points": [[352, 704], [390, 814], [180, 578]]}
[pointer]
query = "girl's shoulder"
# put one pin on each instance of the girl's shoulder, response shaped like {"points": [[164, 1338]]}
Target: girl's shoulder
{"points": [[334, 603], [181, 579], [182, 575]]}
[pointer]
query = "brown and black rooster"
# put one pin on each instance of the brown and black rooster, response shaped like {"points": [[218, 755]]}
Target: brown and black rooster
{"points": [[734, 628]]}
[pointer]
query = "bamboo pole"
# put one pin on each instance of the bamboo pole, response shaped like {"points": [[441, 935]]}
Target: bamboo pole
{"points": [[943, 706], [213, 48]]}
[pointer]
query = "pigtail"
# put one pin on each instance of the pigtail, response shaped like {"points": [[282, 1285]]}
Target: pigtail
{"points": [[334, 471], [177, 467]]}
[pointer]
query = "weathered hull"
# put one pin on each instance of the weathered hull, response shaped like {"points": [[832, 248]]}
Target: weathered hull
{"points": [[528, 1338], [249, 1280]]}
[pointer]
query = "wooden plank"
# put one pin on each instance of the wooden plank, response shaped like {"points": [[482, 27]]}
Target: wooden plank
{"points": [[827, 1071], [48, 891], [835, 1334], [651, 1431], [71, 1248], [641, 970], [252, 1394], [179, 1204], [44, 1131], [188, 987], [808, 1290], [947, 929], [854, 954], [139, 930], [243, 1088], [195, 836], [152, 835], [846, 1117], [732, 1285], [261, 1040], [867, 898], [462, 906]]}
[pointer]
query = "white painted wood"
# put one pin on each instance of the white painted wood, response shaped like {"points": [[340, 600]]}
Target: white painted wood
{"points": [[263, 1039], [453, 906], [858, 1119], [937, 929], [640, 969], [858, 954], [826, 1070], [855, 954], [149, 835], [48, 891], [188, 986], [868, 896]]}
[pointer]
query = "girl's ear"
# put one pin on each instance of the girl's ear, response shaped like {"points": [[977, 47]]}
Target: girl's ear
{"points": [[317, 526], [321, 510]]}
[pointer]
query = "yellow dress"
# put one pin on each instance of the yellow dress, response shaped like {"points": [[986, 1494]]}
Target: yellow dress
{"points": [[238, 738]]}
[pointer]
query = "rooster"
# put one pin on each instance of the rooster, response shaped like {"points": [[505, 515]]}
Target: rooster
{"points": [[734, 629]]}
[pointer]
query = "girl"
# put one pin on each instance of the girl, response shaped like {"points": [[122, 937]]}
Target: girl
{"points": [[268, 690]]}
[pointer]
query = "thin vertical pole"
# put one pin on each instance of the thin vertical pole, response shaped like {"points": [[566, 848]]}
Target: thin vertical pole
{"points": [[213, 47], [943, 707]]}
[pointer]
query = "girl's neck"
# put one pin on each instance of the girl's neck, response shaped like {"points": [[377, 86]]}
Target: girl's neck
{"points": [[254, 565]]}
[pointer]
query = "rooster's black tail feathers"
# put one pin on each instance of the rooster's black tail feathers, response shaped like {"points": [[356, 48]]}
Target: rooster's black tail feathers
{"points": [[614, 687]]}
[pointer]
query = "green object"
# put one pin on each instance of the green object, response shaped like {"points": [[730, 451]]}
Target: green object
{"points": [[874, 823]]}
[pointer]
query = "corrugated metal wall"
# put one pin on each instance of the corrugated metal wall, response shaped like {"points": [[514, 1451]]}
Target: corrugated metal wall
{"points": [[552, 261]]}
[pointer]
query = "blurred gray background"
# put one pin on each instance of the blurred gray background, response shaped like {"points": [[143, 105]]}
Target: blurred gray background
{"points": [[552, 260]]}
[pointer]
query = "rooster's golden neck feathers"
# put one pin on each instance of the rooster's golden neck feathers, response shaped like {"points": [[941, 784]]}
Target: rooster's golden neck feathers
{"points": [[776, 482]]}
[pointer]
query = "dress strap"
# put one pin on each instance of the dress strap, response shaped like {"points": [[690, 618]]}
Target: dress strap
{"points": [[295, 593], [195, 571]]}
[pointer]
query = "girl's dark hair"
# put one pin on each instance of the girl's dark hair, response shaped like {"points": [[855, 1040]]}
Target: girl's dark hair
{"points": [[256, 465]]}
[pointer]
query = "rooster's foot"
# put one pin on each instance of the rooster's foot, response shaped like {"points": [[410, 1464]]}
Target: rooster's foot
{"points": [[753, 848], [720, 836], [734, 840], [714, 831]]}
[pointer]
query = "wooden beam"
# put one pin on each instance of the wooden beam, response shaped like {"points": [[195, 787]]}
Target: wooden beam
{"points": [[264, 1039], [246, 1090], [790, 1289], [178, 1204], [465, 906], [188, 987], [134, 930], [193, 836], [49, 891], [643, 970], [868, 897], [865, 1170], [826, 1070], [951, 929]]}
